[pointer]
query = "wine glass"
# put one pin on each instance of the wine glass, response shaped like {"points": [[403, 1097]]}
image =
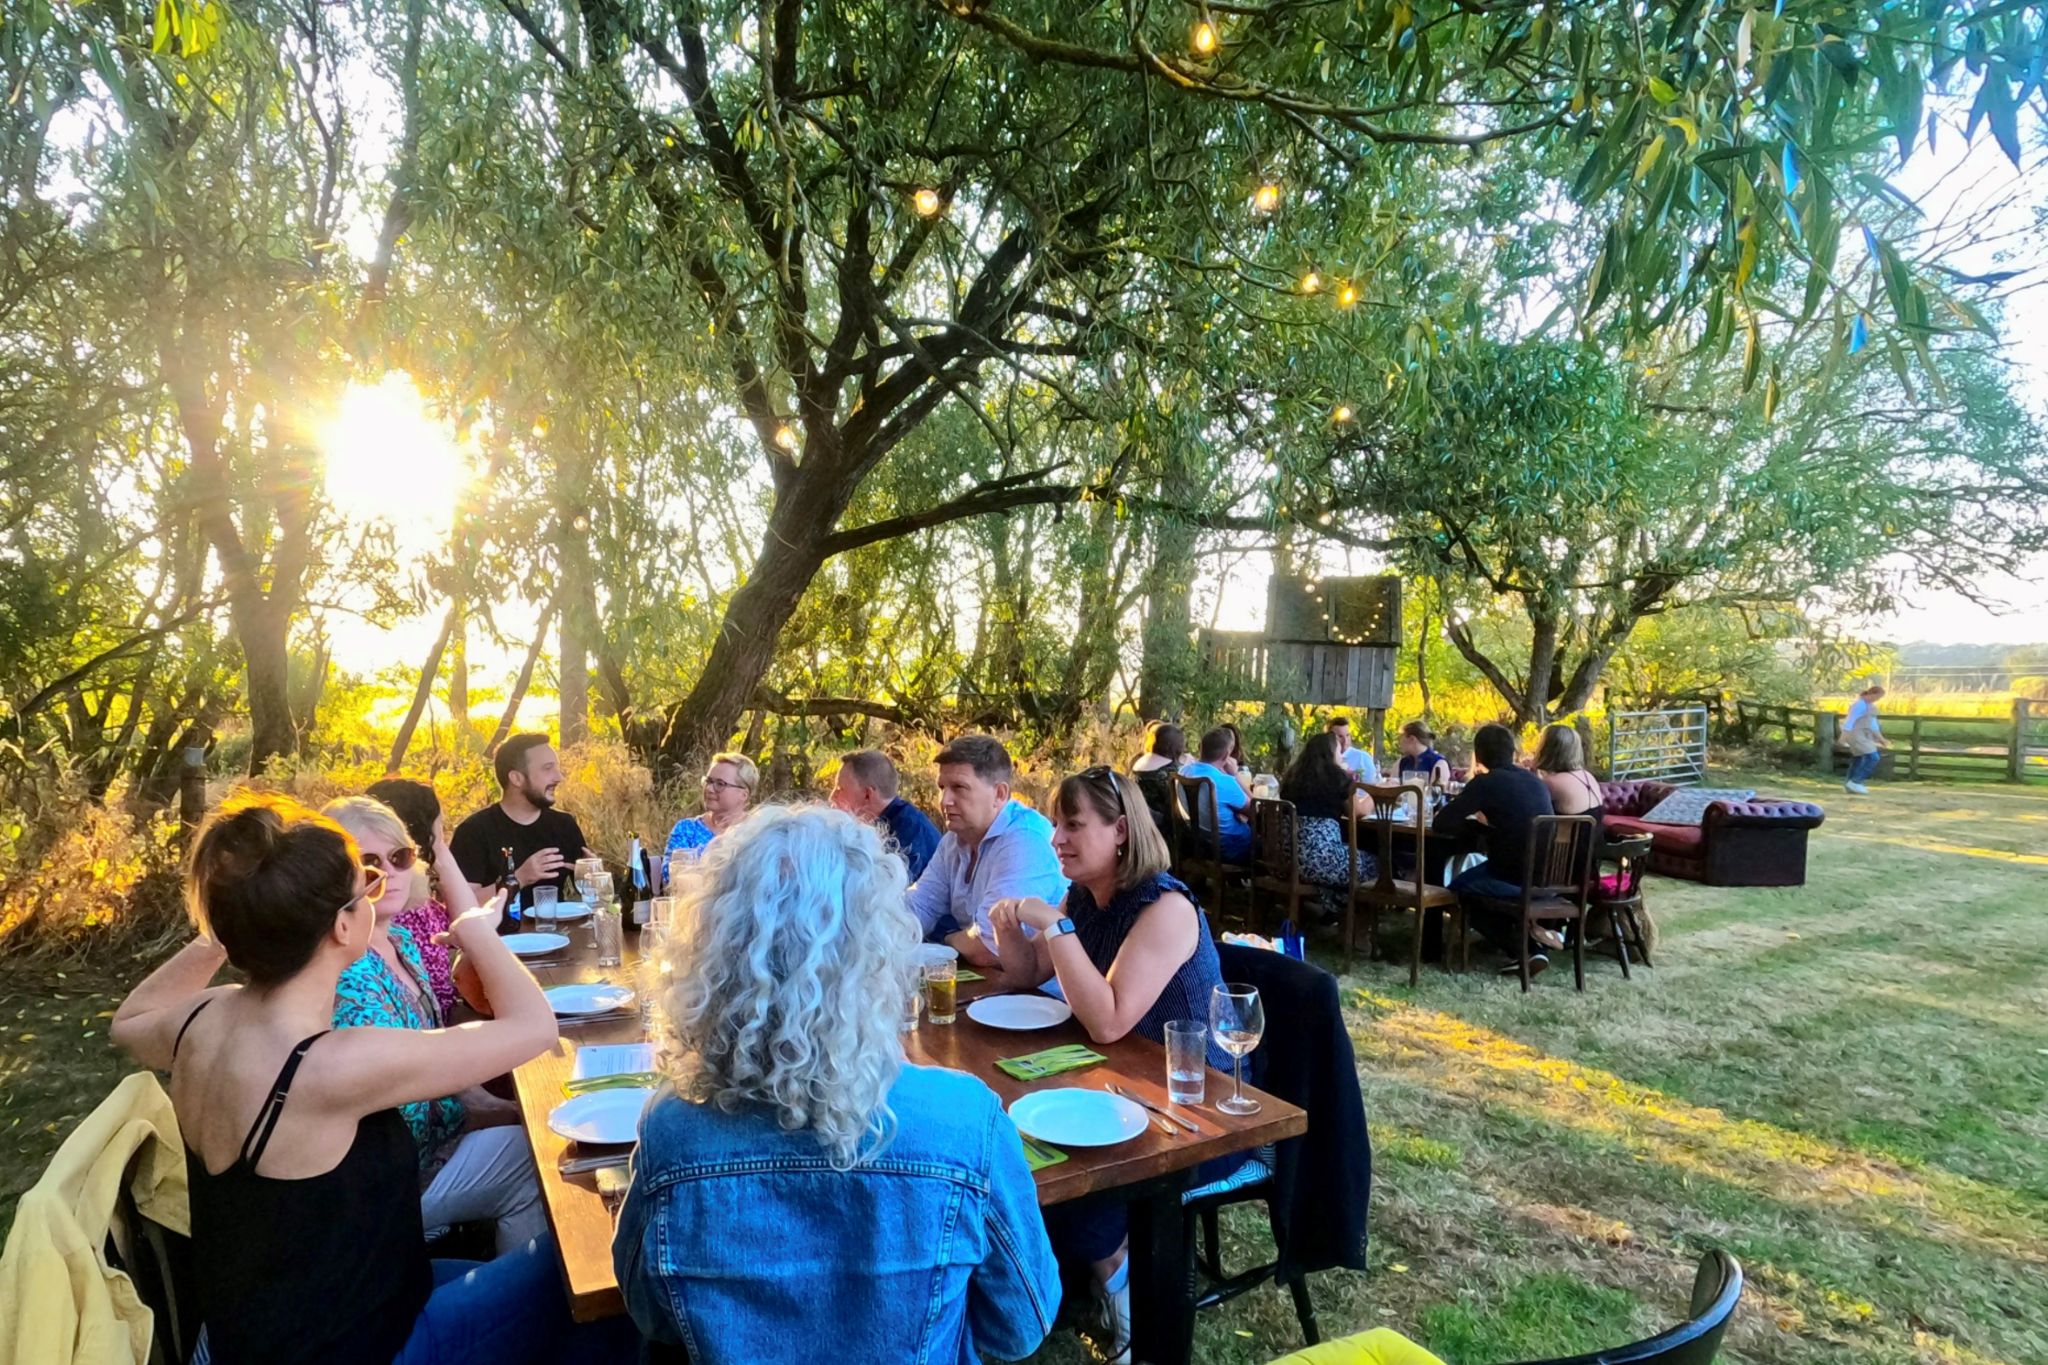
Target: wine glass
{"points": [[1237, 1020]]}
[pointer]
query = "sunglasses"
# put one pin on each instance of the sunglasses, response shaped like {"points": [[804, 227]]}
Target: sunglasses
{"points": [[398, 859], [373, 888], [1105, 775]]}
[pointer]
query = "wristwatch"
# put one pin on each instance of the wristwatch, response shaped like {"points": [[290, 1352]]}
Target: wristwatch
{"points": [[1062, 926]]}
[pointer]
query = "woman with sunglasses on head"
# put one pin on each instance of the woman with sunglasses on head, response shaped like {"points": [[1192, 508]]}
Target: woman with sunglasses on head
{"points": [[306, 1234], [1131, 951], [475, 1164], [729, 785]]}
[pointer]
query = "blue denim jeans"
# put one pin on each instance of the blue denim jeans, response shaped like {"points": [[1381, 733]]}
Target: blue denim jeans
{"points": [[1863, 765], [1497, 929], [510, 1309]]}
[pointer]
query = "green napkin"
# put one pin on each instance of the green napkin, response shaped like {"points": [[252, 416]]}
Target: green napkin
{"points": [[1038, 1156], [1038, 1065], [624, 1080], [967, 974]]}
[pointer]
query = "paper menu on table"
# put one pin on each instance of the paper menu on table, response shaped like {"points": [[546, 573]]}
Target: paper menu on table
{"points": [[612, 1059]]}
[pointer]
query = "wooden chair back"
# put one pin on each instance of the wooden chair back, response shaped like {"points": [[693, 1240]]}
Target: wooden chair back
{"points": [[1275, 846], [1388, 829], [1560, 858]]}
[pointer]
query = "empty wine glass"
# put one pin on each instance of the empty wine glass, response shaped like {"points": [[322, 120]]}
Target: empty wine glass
{"points": [[1237, 1020]]}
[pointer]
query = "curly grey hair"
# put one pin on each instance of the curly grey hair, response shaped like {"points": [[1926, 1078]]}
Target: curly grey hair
{"points": [[793, 957]]}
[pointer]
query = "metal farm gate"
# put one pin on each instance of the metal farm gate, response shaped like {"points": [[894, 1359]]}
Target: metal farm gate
{"points": [[1670, 746]]}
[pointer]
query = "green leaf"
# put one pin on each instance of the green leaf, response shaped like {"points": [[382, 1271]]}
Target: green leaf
{"points": [[1663, 90]]}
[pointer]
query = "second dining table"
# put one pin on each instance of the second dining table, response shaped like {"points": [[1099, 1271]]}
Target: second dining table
{"points": [[1149, 1172]]}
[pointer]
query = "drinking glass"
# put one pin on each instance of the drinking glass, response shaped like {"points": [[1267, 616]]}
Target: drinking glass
{"points": [[609, 932], [941, 991], [681, 864], [909, 1021], [589, 870], [545, 899], [661, 914], [1187, 1061], [648, 983], [1238, 1019]]}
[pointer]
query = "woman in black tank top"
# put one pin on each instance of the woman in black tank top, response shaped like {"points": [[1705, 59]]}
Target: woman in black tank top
{"points": [[307, 1244]]}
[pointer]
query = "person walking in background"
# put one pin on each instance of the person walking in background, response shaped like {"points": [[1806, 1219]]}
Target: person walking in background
{"points": [[1864, 738], [994, 849], [866, 789], [799, 1189], [1362, 766], [545, 842], [729, 786]]}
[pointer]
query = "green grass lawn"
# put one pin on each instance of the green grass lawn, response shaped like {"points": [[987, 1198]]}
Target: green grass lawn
{"points": [[1846, 1085]]}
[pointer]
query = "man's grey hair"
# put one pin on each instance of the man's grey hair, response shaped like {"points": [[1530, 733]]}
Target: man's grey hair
{"points": [[872, 768]]}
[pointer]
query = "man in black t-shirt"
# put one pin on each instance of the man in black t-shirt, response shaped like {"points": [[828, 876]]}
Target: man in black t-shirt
{"points": [[545, 842], [1507, 799]]}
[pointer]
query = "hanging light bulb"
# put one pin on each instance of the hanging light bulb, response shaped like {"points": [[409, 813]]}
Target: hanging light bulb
{"points": [[785, 436], [1342, 414], [1311, 282], [927, 203], [1347, 294], [1266, 198], [1203, 40]]}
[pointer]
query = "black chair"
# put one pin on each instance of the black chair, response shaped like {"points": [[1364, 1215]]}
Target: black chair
{"points": [[1306, 1059], [158, 1262], [1620, 899], [1693, 1342]]}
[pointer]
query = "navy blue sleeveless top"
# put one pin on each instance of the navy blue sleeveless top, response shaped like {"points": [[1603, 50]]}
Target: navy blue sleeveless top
{"points": [[1103, 929]]}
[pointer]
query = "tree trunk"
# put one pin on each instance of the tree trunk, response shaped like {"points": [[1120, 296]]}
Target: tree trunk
{"points": [[423, 691], [574, 665], [1543, 637], [458, 676], [1167, 661], [521, 683], [264, 628], [1422, 662]]}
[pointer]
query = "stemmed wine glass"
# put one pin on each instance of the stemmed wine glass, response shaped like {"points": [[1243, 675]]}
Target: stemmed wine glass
{"points": [[1237, 1020]]}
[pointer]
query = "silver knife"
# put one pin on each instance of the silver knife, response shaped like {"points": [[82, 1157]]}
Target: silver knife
{"points": [[1142, 1102], [594, 1163]]}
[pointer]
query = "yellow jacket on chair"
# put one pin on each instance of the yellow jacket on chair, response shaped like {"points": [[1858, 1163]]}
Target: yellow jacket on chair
{"points": [[61, 1303], [1380, 1346]]}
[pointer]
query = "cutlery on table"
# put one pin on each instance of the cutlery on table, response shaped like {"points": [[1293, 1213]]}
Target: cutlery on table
{"points": [[582, 1164], [1144, 1103], [609, 1017]]}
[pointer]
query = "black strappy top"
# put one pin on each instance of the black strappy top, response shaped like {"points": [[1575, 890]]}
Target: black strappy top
{"points": [[328, 1270]]}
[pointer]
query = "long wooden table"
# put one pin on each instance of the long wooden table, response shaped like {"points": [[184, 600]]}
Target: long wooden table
{"points": [[1150, 1172]]}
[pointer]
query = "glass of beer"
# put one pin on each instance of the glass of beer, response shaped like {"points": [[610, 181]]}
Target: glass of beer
{"points": [[941, 991]]}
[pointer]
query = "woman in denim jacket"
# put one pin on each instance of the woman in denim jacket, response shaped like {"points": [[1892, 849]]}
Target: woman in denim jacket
{"points": [[798, 1189]]}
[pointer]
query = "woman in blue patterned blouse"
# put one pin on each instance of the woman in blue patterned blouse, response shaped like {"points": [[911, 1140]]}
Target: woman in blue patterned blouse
{"points": [[729, 785], [1139, 955], [475, 1163]]}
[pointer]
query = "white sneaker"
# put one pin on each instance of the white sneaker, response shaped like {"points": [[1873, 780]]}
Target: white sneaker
{"points": [[1113, 1307], [1856, 787]]}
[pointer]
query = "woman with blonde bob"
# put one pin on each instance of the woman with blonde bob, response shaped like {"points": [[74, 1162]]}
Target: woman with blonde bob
{"points": [[791, 1178], [730, 782]]}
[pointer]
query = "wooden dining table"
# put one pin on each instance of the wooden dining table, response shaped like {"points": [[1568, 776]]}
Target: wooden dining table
{"points": [[1149, 1172]]}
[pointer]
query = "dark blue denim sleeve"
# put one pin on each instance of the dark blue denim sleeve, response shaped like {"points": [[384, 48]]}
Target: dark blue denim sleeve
{"points": [[638, 1271], [1015, 1293]]}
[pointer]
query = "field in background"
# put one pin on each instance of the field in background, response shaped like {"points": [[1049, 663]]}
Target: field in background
{"points": [[1842, 1084]]}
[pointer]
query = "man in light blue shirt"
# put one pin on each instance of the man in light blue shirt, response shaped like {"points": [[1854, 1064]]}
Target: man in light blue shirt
{"points": [[994, 849], [1360, 762], [1232, 800]]}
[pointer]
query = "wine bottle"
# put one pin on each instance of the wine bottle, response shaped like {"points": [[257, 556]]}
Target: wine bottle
{"points": [[509, 883], [641, 891]]}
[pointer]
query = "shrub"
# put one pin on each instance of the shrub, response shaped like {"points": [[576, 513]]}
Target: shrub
{"points": [[77, 875]]}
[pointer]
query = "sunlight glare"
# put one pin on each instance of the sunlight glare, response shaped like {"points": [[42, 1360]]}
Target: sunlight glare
{"points": [[389, 458]]}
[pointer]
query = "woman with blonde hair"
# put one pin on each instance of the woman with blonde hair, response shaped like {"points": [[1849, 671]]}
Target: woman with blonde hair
{"points": [[789, 1179], [729, 786], [1561, 763]]}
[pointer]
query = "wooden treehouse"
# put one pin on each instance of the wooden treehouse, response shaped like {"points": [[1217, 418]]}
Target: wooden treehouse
{"points": [[1327, 642]]}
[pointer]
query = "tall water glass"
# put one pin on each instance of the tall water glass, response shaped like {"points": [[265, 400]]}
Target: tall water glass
{"points": [[545, 899], [661, 915], [1238, 1019], [608, 929], [681, 864], [941, 991], [1187, 1061]]}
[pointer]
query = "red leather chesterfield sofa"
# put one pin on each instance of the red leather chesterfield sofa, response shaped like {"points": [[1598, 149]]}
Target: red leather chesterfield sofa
{"points": [[1738, 843]]}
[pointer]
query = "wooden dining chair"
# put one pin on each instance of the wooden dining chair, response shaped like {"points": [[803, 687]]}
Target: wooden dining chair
{"points": [[1619, 896], [1198, 844], [1557, 886], [1276, 858], [1383, 835]]}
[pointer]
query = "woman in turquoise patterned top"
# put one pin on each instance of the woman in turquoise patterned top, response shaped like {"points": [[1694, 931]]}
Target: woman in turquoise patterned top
{"points": [[729, 786], [475, 1165]]}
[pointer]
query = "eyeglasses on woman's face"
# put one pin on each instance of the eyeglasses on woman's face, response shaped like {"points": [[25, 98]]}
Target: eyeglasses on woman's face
{"points": [[719, 784], [400, 859]]}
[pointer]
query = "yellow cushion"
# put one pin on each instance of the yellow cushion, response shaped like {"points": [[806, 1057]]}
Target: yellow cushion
{"points": [[1380, 1346]]}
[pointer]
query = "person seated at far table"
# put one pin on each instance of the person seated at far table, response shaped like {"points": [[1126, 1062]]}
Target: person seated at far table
{"points": [[307, 1244], [1164, 755], [1507, 799], [1420, 762], [1358, 762], [1131, 951], [1320, 786], [475, 1162], [994, 848], [1233, 802], [866, 790], [801, 1190], [1560, 762], [729, 786]]}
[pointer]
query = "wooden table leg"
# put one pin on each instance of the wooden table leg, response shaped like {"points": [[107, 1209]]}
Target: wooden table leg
{"points": [[1162, 1278]]}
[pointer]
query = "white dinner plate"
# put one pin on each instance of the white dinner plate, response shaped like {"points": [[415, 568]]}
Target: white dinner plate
{"points": [[1071, 1117], [594, 997], [1019, 1011], [536, 945], [936, 954], [566, 910], [601, 1116]]}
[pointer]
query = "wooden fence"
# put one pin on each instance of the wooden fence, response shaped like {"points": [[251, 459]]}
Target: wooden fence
{"points": [[2013, 747]]}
